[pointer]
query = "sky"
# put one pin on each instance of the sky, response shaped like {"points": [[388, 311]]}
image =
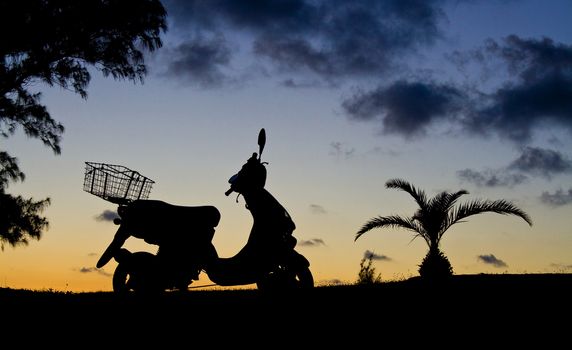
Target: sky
{"points": [[447, 95]]}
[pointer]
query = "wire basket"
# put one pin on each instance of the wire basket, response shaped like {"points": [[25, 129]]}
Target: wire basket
{"points": [[115, 183]]}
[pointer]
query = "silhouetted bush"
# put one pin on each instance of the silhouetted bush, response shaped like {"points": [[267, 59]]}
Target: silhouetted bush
{"points": [[366, 273]]}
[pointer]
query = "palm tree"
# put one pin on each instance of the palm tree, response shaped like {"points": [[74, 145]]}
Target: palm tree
{"points": [[433, 218]]}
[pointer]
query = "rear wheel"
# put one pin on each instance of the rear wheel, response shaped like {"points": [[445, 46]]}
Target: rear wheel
{"points": [[305, 279]]}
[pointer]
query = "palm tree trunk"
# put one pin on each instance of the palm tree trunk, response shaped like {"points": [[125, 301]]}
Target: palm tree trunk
{"points": [[435, 266]]}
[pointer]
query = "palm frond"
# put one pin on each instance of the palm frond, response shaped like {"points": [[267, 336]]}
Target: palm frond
{"points": [[417, 194], [474, 207], [390, 221], [438, 212], [424, 236], [444, 201]]}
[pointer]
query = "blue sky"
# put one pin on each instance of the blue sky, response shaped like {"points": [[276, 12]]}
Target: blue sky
{"points": [[448, 95]]}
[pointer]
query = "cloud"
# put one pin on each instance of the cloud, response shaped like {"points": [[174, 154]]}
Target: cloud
{"points": [[292, 83], [534, 93], [491, 178], [257, 16], [107, 215], [558, 198], [538, 93], [532, 161], [314, 242], [338, 149], [333, 40], [329, 39], [373, 256], [317, 209], [492, 260], [306, 42], [93, 269], [406, 108], [334, 281], [541, 162], [354, 38], [199, 60]]}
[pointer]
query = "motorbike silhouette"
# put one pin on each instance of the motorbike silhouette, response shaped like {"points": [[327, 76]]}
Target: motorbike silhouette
{"points": [[184, 235]]}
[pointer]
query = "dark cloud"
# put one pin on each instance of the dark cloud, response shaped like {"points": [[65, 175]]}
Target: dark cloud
{"points": [[289, 53], [353, 38], [94, 270], [558, 198], [532, 59], [373, 256], [539, 93], [491, 178], [492, 260], [534, 93], [107, 215], [407, 108], [314, 242], [201, 61], [541, 162], [317, 209], [254, 15], [331, 39]]}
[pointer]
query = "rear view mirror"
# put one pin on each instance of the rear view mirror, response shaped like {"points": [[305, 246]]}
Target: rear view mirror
{"points": [[261, 142]]}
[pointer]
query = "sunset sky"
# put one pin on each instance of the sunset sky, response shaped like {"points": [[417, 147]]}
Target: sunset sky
{"points": [[447, 95]]}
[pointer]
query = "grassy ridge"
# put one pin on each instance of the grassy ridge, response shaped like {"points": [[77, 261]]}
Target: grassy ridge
{"points": [[534, 304], [484, 287]]}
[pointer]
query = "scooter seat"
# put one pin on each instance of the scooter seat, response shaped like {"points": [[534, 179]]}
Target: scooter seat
{"points": [[208, 215], [155, 214]]}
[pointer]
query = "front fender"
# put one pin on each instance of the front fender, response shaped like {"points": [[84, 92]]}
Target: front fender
{"points": [[113, 248]]}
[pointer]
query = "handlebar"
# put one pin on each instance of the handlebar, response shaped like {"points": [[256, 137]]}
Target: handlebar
{"points": [[227, 193]]}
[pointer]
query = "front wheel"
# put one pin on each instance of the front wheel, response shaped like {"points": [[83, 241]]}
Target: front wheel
{"points": [[137, 273]]}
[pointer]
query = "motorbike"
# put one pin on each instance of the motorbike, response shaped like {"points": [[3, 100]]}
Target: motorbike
{"points": [[184, 235]]}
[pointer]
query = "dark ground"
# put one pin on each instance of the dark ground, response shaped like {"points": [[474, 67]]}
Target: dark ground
{"points": [[469, 311]]}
